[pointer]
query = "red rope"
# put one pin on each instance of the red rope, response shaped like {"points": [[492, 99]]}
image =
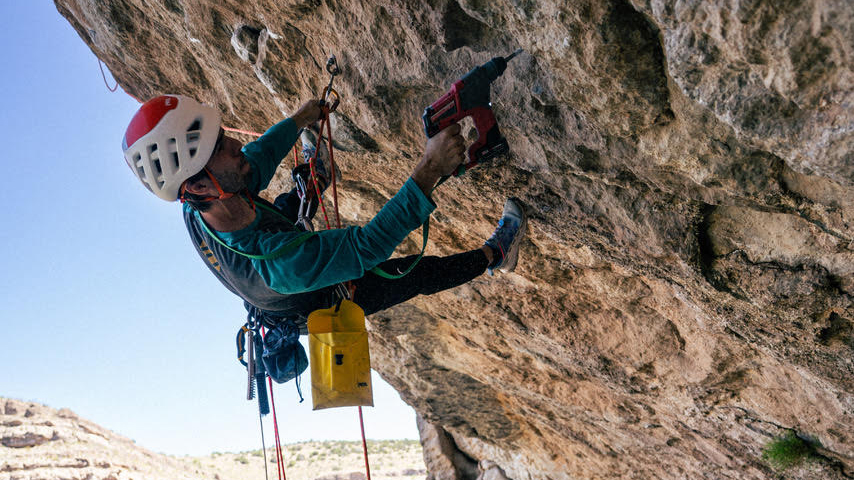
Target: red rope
{"points": [[364, 445], [280, 462], [332, 163], [325, 123]]}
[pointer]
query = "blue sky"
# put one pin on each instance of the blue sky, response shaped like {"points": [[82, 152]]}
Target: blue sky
{"points": [[106, 309]]}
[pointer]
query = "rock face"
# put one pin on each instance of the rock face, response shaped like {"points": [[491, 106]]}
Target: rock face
{"points": [[685, 292]]}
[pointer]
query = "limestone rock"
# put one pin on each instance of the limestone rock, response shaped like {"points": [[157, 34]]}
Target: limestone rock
{"points": [[684, 293], [443, 459]]}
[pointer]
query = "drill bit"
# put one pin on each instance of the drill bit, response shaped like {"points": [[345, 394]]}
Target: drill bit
{"points": [[510, 57]]}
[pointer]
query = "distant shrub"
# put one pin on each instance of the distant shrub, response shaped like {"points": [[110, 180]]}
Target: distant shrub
{"points": [[789, 451], [241, 459]]}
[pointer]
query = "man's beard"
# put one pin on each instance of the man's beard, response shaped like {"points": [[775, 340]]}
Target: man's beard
{"points": [[234, 182]]}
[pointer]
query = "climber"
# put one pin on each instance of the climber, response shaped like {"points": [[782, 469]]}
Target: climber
{"points": [[176, 146]]}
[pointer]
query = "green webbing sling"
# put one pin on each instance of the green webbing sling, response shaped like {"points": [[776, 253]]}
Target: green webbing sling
{"points": [[296, 242], [425, 231], [382, 273], [275, 254]]}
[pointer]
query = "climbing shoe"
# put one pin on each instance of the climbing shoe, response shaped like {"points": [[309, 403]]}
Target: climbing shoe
{"points": [[309, 147], [505, 241]]}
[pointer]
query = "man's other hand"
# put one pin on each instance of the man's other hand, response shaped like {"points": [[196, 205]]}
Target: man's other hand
{"points": [[307, 114]]}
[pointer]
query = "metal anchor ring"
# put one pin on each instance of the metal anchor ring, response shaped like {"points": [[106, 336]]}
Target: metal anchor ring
{"points": [[332, 66]]}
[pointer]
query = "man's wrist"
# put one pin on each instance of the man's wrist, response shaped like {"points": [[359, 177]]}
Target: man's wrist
{"points": [[301, 121], [425, 178]]}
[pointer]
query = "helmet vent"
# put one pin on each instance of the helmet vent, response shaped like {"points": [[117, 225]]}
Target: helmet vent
{"points": [[140, 170], [193, 139], [195, 126], [173, 155]]}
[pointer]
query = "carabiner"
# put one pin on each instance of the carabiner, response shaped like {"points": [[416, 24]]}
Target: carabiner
{"points": [[326, 93], [333, 70]]}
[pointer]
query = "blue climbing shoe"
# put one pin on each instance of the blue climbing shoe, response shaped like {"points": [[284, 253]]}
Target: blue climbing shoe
{"points": [[309, 147], [505, 241]]}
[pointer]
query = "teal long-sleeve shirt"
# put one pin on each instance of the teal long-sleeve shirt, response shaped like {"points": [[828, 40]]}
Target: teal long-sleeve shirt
{"points": [[329, 256]]}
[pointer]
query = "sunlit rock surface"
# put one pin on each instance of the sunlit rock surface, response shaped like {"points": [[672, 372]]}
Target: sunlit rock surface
{"points": [[685, 292]]}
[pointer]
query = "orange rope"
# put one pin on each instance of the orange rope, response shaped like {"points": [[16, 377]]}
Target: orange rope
{"points": [[228, 129], [244, 132]]}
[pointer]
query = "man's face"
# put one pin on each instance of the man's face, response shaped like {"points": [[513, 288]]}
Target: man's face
{"points": [[228, 165]]}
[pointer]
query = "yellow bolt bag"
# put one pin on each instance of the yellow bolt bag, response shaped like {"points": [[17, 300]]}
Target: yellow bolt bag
{"points": [[340, 359]]}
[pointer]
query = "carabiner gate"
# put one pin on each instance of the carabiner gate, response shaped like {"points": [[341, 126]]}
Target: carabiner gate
{"points": [[326, 93]]}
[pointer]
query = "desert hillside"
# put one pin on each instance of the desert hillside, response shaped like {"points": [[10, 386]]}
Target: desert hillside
{"points": [[42, 443]]}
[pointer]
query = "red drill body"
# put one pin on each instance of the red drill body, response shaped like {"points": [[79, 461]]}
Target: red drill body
{"points": [[469, 97]]}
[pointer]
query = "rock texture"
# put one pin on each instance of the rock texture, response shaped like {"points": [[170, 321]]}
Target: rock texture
{"points": [[685, 292]]}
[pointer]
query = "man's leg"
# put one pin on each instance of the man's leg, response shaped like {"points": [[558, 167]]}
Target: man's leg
{"points": [[431, 275], [434, 274]]}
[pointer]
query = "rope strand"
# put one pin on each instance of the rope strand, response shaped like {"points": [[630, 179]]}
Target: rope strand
{"points": [[104, 76], [364, 445]]}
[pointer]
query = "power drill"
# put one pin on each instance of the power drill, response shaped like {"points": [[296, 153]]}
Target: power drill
{"points": [[469, 96]]}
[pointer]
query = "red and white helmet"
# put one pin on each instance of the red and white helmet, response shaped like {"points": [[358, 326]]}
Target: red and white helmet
{"points": [[170, 139]]}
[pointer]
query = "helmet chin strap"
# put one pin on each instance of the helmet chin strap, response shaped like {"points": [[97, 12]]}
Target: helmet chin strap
{"points": [[222, 193]]}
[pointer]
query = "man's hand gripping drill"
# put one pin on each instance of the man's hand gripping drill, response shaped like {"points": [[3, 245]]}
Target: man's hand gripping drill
{"points": [[469, 96]]}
